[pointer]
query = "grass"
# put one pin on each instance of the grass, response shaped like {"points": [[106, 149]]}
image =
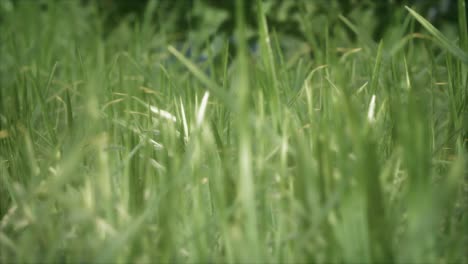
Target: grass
{"points": [[123, 149]]}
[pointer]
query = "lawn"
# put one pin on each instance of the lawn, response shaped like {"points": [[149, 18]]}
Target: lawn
{"points": [[127, 143]]}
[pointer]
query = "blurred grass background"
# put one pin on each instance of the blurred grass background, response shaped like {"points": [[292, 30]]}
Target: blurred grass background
{"points": [[233, 131]]}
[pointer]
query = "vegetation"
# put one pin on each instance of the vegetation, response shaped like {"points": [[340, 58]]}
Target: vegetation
{"points": [[125, 144]]}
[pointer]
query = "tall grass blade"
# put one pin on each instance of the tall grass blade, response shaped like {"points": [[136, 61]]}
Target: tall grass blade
{"points": [[441, 40], [210, 85], [463, 25], [69, 110]]}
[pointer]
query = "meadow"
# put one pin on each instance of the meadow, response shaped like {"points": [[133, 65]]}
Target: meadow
{"points": [[128, 145]]}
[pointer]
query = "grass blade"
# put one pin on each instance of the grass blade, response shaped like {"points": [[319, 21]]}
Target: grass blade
{"points": [[441, 40], [463, 24], [210, 85]]}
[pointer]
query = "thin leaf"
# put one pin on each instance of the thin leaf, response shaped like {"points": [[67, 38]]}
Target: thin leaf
{"points": [[201, 76], [462, 23], [443, 41]]}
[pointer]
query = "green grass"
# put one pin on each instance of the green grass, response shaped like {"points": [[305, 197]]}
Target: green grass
{"points": [[121, 149]]}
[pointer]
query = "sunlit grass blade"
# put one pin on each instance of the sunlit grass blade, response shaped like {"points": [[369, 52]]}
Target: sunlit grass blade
{"points": [[202, 109]]}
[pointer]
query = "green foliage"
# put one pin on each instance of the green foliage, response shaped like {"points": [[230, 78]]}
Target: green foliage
{"points": [[121, 146]]}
